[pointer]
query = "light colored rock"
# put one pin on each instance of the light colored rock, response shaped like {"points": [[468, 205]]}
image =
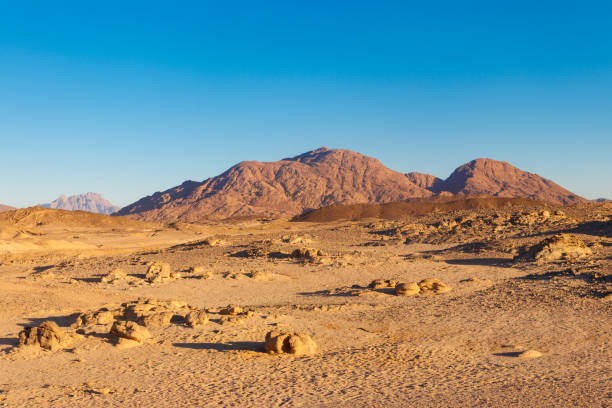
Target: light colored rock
{"points": [[290, 343], [156, 320], [159, 272], [48, 336], [407, 289], [558, 247], [196, 318], [530, 354], [433, 286], [113, 276], [231, 310], [130, 331]]}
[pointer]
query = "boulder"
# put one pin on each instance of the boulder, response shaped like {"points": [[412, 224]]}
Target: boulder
{"points": [[48, 336], [196, 318], [290, 343], [113, 276], [159, 272], [130, 331], [558, 247], [433, 286], [407, 289]]}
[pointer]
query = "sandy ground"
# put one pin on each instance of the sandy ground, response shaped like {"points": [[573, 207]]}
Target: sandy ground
{"points": [[460, 348]]}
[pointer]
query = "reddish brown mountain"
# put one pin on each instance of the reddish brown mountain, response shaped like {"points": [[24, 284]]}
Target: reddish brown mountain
{"points": [[426, 181], [287, 187], [501, 179], [324, 177]]}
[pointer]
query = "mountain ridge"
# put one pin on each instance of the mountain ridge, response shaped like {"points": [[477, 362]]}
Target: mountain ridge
{"points": [[325, 177]]}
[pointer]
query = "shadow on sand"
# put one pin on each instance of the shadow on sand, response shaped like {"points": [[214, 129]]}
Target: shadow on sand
{"points": [[231, 346]]}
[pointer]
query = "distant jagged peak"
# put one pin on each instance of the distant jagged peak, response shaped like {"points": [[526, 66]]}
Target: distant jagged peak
{"points": [[91, 202]]}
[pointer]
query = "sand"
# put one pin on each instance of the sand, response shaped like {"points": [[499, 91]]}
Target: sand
{"points": [[506, 333]]}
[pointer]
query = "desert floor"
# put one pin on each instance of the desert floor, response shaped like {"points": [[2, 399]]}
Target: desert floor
{"points": [[461, 348]]}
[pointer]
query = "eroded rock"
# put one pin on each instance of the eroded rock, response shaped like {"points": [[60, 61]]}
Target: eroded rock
{"points": [[290, 343], [407, 289], [114, 276], [433, 286], [558, 247], [159, 272], [48, 336]]}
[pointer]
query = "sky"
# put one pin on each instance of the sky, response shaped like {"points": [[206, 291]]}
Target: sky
{"points": [[126, 98]]}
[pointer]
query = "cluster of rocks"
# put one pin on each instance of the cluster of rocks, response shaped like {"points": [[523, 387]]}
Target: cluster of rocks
{"points": [[157, 272], [429, 286], [560, 247], [307, 254], [471, 226]]}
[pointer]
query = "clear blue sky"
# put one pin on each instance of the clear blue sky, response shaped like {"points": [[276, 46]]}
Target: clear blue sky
{"points": [[126, 98]]}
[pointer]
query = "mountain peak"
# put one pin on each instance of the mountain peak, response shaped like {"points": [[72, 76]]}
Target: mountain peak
{"points": [[485, 176], [91, 202]]}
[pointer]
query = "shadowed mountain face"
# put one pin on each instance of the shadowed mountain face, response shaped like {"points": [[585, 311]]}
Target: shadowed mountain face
{"points": [[325, 177], [4, 208], [90, 202]]}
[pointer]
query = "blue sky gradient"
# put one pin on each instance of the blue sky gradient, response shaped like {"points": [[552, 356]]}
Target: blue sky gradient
{"points": [[129, 99]]}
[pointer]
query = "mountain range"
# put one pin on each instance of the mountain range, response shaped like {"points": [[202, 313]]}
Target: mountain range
{"points": [[325, 177], [91, 202]]}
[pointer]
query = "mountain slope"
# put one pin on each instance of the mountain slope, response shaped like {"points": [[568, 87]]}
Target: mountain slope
{"points": [[90, 202], [497, 178], [325, 177], [4, 208], [287, 187]]}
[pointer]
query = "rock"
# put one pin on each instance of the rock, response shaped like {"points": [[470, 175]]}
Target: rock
{"points": [[529, 354], [306, 253], [130, 331], [433, 286], [382, 284], [290, 343], [156, 320], [113, 276], [558, 247], [48, 336], [260, 275], [160, 272], [407, 289], [196, 270], [196, 318], [231, 310]]}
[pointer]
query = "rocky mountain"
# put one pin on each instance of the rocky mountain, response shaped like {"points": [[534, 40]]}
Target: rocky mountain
{"points": [[91, 202], [500, 179], [325, 177], [287, 187], [4, 208]]}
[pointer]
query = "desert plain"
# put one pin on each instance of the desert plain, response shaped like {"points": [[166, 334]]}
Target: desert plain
{"points": [[516, 311]]}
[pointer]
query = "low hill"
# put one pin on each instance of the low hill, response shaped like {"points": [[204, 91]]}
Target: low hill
{"points": [[405, 209], [32, 217]]}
